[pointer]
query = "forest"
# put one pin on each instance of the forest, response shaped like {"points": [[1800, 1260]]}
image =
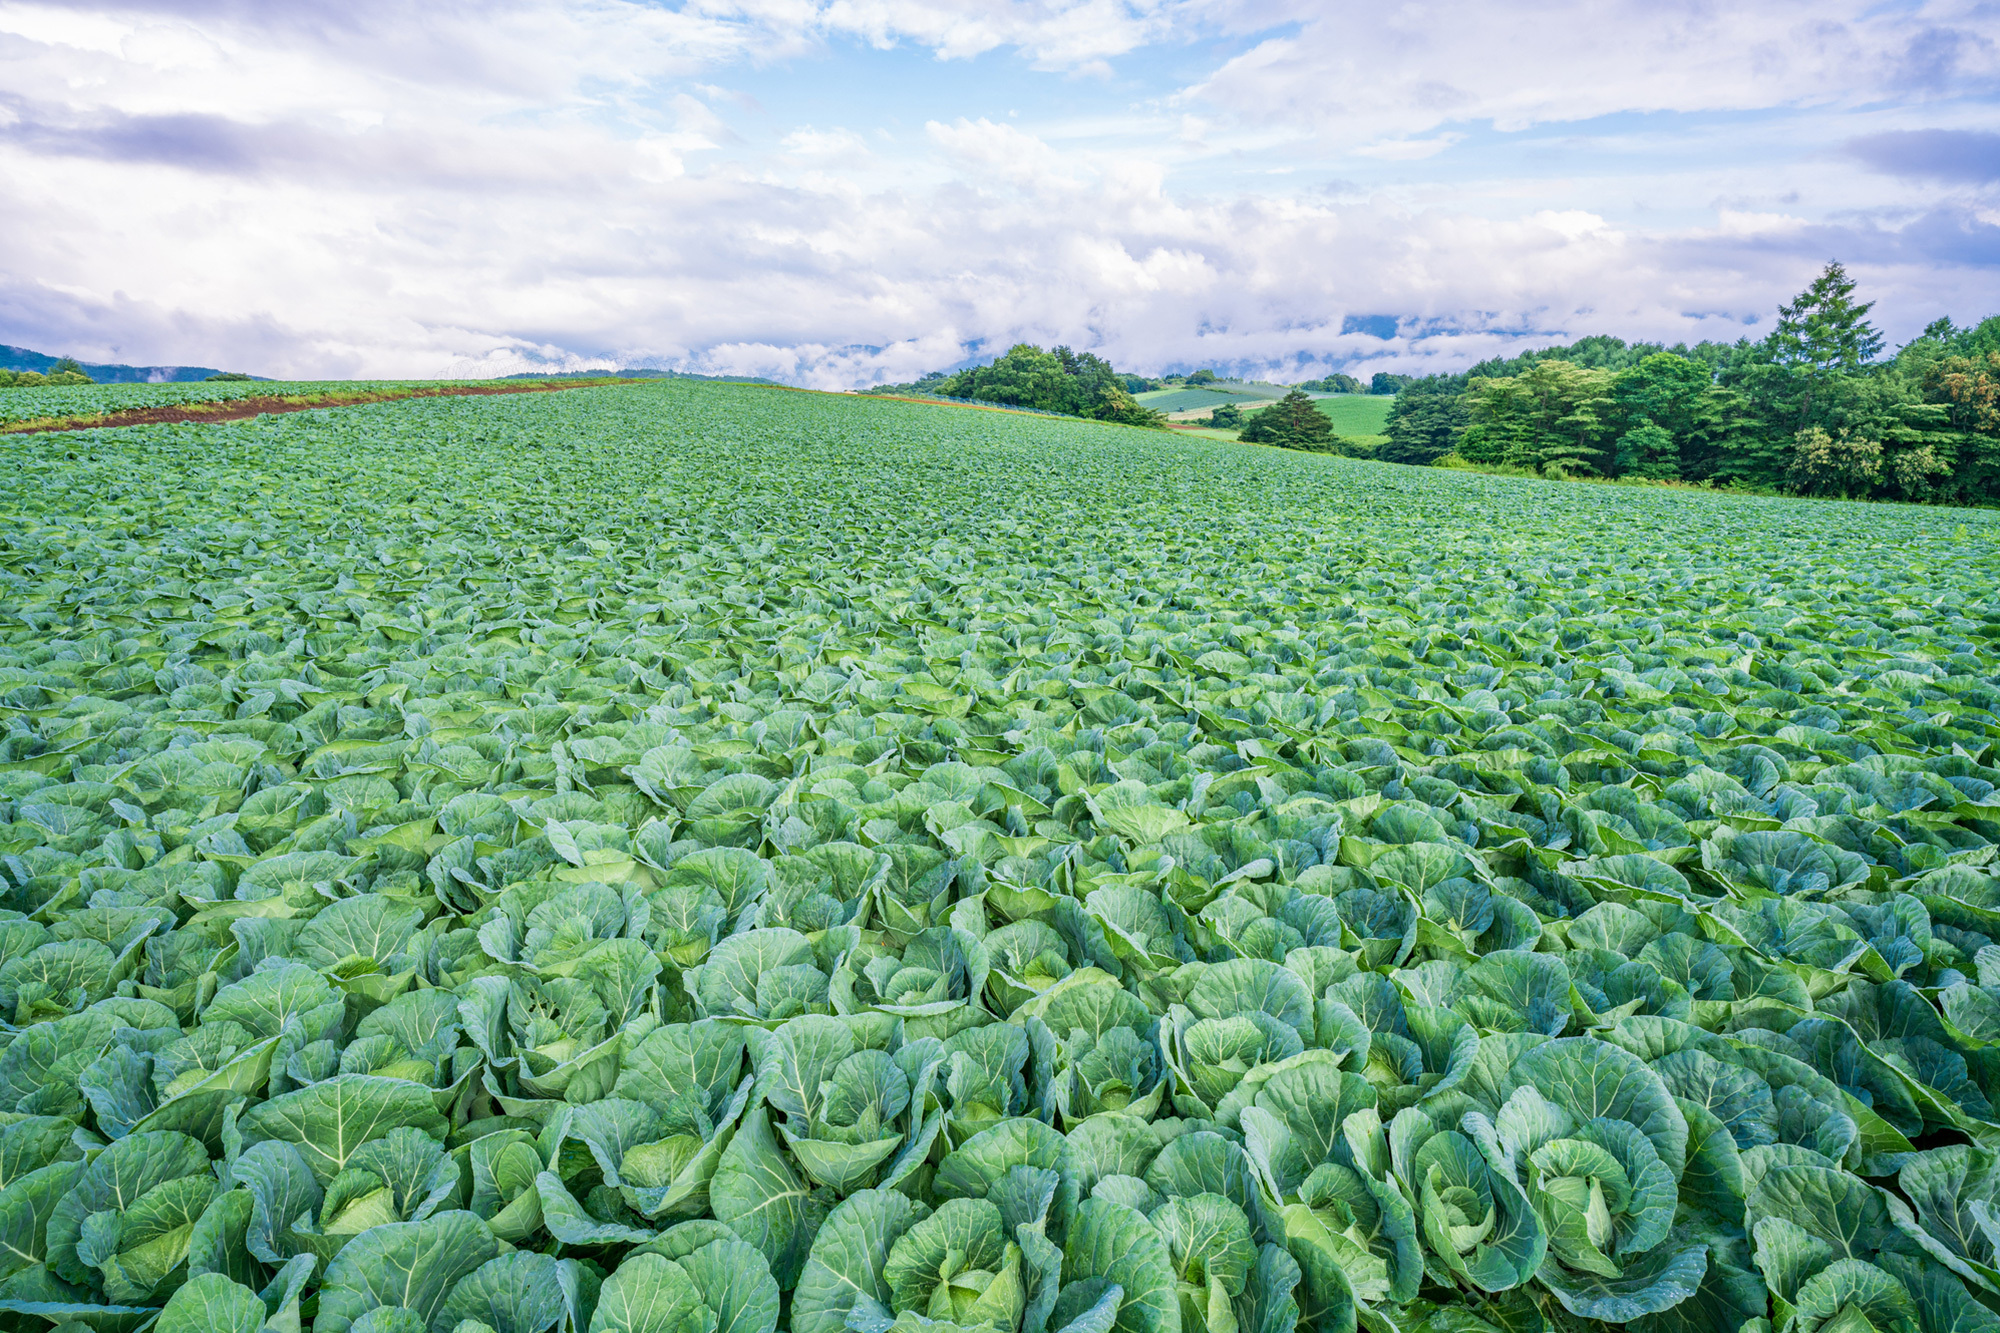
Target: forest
{"points": [[1814, 408]]}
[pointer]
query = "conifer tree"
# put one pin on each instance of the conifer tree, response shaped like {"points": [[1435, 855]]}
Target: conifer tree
{"points": [[1823, 330], [1293, 422]]}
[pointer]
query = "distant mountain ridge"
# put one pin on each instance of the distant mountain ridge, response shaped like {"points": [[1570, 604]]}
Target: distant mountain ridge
{"points": [[634, 373], [23, 358]]}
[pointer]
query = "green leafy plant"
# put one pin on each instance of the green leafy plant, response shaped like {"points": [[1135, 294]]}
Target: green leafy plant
{"points": [[621, 887]]}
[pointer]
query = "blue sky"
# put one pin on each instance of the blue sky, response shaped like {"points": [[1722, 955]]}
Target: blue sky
{"points": [[842, 192]]}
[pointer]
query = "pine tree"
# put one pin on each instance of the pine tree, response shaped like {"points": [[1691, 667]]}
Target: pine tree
{"points": [[1823, 331], [1292, 423]]}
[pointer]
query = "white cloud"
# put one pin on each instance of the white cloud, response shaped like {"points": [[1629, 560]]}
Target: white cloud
{"points": [[1409, 150], [1738, 222], [1407, 69], [827, 146], [984, 146], [1054, 33], [394, 190], [55, 27], [1573, 223]]}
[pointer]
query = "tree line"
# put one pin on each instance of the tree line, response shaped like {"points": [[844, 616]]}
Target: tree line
{"points": [[1814, 408], [65, 371], [1072, 383], [1381, 383]]}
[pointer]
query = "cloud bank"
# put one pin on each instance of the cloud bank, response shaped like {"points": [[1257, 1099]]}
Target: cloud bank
{"points": [[841, 192]]}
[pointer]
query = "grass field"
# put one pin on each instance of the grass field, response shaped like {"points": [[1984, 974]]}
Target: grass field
{"points": [[1351, 413], [1206, 398], [1354, 415], [698, 857]]}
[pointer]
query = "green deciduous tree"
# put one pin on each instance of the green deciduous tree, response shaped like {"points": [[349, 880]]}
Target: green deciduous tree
{"points": [[1665, 389], [1969, 387], [1075, 383], [1945, 443], [1828, 464], [1556, 417], [1722, 430], [1648, 450], [1334, 383]]}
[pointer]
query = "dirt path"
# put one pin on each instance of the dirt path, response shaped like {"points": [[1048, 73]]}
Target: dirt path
{"points": [[239, 409]]}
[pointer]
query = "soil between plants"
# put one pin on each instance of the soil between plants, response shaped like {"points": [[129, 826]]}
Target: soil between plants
{"points": [[240, 409]]}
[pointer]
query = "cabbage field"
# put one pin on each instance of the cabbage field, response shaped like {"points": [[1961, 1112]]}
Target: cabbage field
{"points": [[696, 858], [60, 401]]}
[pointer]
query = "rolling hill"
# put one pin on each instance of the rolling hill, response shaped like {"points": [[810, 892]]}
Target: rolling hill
{"points": [[1354, 415], [24, 358]]}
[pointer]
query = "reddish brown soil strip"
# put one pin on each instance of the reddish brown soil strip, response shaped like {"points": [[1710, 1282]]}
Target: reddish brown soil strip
{"points": [[238, 409]]}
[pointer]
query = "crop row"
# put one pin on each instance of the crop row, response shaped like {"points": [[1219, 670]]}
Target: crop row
{"points": [[66, 401], [701, 859]]}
